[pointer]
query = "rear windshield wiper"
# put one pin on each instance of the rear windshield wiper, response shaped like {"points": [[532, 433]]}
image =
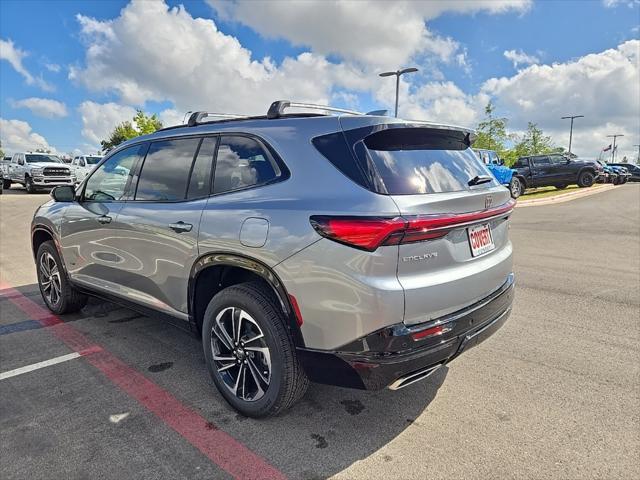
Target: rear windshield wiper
{"points": [[479, 180]]}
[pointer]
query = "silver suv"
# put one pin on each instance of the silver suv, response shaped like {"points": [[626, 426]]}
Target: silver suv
{"points": [[354, 250]]}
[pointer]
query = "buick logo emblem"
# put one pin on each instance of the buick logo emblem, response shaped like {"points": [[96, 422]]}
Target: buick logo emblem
{"points": [[488, 201]]}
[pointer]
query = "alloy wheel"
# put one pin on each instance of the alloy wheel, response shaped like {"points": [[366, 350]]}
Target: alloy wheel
{"points": [[241, 355], [515, 188], [50, 280]]}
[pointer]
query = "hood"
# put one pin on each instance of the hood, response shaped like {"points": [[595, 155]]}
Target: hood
{"points": [[48, 164]]}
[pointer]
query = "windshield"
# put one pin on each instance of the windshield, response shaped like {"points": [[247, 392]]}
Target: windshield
{"points": [[42, 159], [93, 160]]}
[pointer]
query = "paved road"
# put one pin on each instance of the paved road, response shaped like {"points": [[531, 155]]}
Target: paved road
{"points": [[556, 393]]}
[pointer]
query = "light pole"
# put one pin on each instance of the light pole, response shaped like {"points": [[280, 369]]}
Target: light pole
{"points": [[571, 129], [397, 73], [613, 152], [638, 159]]}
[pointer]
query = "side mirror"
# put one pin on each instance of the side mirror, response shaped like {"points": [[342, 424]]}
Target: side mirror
{"points": [[63, 193]]}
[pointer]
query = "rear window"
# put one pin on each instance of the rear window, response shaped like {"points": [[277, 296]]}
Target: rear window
{"points": [[396, 160]]}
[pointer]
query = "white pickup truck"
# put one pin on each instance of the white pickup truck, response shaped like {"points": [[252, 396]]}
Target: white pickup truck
{"points": [[39, 170], [83, 165], [5, 182]]}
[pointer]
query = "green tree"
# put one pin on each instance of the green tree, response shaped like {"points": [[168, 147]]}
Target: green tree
{"points": [[492, 132], [144, 124], [535, 142]]}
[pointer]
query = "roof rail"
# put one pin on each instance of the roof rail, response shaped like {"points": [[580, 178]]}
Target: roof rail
{"points": [[277, 108], [197, 117]]}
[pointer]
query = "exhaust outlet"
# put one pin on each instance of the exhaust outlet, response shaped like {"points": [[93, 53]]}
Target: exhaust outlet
{"points": [[414, 377]]}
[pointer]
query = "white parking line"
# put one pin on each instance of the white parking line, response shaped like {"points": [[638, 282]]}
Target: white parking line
{"points": [[39, 365]]}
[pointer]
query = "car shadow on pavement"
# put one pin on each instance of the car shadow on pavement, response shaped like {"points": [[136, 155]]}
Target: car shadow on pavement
{"points": [[326, 432]]}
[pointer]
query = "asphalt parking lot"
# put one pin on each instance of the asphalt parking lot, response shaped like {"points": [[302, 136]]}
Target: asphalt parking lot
{"points": [[555, 393]]}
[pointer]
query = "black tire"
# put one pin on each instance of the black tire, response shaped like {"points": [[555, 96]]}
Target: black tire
{"points": [[586, 179], [562, 186], [515, 187], [6, 184], [287, 381], [28, 184], [616, 181], [68, 300]]}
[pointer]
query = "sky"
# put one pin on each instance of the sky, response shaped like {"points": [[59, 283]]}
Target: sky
{"points": [[71, 70]]}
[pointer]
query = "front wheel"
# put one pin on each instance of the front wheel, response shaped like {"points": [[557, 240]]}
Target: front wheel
{"points": [[250, 353], [585, 179], [28, 183], [515, 187], [6, 184], [56, 290]]}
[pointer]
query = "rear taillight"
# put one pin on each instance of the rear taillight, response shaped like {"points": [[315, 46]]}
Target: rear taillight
{"points": [[369, 233]]}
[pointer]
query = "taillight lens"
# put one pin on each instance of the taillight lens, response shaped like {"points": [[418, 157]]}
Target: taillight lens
{"points": [[369, 233]]}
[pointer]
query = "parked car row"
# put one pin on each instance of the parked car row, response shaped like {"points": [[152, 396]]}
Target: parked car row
{"points": [[632, 168], [39, 171], [555, 170]]}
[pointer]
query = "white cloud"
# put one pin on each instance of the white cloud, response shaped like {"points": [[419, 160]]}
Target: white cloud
{"points": [[43, 107], [189, 62], [518, 57], [616, 3], [171, 117], [53, 67], [14, 55], [17, 136], [604, 87], [383, 34], [99, 119]]}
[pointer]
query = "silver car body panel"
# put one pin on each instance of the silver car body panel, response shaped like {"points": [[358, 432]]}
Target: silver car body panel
{"points": [[343, 293]]}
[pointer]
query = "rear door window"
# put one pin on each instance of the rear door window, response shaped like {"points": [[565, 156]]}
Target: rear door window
{"points": [[165, 172], [200, 180], [242, 162]]}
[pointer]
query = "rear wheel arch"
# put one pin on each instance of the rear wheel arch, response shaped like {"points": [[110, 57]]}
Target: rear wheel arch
{"points": [[215, 271]]}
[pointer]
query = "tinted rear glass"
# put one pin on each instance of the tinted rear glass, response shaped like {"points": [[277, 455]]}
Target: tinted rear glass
{"points": [[397, 160]]}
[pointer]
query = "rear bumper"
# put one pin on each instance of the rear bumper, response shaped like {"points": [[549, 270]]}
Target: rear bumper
{"points": [[391, 357]]}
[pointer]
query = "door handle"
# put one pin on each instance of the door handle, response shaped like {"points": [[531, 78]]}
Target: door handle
{"points": [[180, 227], [104, 219]]}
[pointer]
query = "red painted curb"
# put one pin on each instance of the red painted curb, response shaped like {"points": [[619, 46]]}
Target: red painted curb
{"points": [[220, 447]]}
